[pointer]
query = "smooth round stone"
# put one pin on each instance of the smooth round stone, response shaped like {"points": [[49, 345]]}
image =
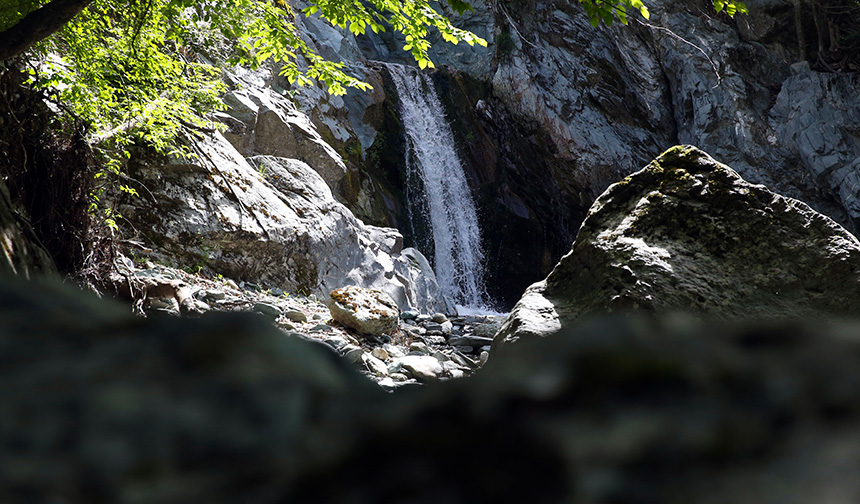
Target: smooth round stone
{"points": [[380, 353], [419, 347], [352, 353], [464, 349], [409, 315], [439, 318], [267, 309], [374, 365], [422, 367], [484, 356], [296, 316], [398, 377]]}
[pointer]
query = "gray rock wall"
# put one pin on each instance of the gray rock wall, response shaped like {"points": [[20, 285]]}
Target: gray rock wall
{"points": [[565, 110]]}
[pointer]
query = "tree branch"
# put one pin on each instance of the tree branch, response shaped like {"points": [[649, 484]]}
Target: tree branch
{"points": [[38, 25]]}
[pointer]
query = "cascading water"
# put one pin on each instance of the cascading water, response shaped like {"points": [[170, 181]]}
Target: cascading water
{"points": [[444, 200]]}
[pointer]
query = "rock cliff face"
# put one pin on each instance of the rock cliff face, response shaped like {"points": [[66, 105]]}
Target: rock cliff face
{"points": [[271, 219], [687, 234], [558, 110]]}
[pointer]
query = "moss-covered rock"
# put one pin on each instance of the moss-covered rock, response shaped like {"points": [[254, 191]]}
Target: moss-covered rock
{"points": [[687, 233]]}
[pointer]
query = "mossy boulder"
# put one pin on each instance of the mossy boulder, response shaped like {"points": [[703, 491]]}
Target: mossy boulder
{"points": [[688, 234]]}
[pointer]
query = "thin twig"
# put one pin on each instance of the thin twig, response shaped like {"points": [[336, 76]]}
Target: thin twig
{"points": [[682, 39], [514, 26]]}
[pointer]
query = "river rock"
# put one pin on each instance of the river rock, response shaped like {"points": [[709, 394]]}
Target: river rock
{"points": [[365, 310], [687, 233], [423, 368]]}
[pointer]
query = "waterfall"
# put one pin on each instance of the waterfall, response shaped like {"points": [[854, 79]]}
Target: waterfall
{"points": [[443, 201]]}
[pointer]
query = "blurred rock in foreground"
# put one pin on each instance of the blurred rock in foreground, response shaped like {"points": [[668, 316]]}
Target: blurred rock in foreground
{"points": [[100, 406]]}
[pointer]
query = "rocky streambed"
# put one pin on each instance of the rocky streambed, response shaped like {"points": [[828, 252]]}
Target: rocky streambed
{"points": [[424, 348]]}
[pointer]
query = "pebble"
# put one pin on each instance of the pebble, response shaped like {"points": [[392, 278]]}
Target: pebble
{"points": [[408, 315], [374, 365], [422, 367], [388, 383], [321, 328], [287, 326], [352, 353], [484, 356], [393, 351], [439, 318], [296, 316], [463, 348], [399, 377], [434, 340], [419, 347], [423, 318], [335, 342], [267, 310], [474, 341], [163, 304], [447, 327], [380, 353]]}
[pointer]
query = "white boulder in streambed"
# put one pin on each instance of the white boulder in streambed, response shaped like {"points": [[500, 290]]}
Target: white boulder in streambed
{"points": [[368, 311]]}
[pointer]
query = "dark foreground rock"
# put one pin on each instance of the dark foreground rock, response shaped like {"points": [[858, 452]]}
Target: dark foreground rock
{"points": [[686, 233], [100, 406]]}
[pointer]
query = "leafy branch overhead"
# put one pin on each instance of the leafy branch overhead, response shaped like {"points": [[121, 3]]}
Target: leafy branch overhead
{"points": [[138, 71]]}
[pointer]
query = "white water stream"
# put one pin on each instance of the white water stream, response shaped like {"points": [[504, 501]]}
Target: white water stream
{"points": [[447, 201]]}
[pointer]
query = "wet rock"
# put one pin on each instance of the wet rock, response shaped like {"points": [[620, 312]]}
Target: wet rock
{"points": [[365, 310]]}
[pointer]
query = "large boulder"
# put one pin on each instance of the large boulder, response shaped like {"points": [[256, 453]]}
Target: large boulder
{"points": [[271, 221], [687, 233], [102, 407]]}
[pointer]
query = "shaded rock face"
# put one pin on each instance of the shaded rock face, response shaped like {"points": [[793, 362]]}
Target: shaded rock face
{"points": [[22, 255], [103, 407], [270, 220], [686, 233]]}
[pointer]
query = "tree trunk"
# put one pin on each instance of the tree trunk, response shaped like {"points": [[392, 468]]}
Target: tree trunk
{"points": [[38, 25], [798, 26]]}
